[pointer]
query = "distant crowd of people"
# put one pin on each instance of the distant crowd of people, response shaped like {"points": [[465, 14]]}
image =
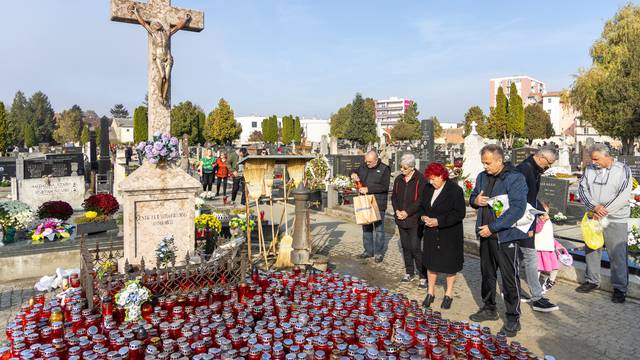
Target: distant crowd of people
{"points": [[429, 209], [218, 167]]}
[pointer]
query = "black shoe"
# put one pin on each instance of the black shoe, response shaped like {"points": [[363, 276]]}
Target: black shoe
{"points": [[363, 256], [511, 328], [484, 314], [618, 296], [379, 259], [446, 302], [544, 305], [587, 287], [428, 300]]}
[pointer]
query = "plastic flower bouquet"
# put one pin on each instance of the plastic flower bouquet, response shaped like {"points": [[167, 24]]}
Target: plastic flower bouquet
{"points": [[468, 188], [342, 182], [163, 148], [166, 251], [15, 214], [51, 230], [131, 297]]}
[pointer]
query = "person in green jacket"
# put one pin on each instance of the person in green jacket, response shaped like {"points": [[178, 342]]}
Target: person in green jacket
{"points": [[205, 168]]}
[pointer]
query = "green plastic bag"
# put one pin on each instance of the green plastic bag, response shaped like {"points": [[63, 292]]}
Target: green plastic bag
{"points": [[592, 233]]}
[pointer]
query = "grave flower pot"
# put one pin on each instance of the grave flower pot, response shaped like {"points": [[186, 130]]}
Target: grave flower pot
{"points": [[9, 235], [90, 228]]}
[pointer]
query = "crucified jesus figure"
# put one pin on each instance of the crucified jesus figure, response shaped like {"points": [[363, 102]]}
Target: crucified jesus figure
{"points": [[161, 52]]}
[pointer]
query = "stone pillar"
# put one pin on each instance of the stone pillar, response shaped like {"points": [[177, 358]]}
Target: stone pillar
{"points": [[332, 197], [301, 249]]}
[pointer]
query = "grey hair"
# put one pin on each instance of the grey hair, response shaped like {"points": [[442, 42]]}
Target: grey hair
{"points": [[492, 148], [408, 160], [601, 148], [547, 152], [372, 152]]}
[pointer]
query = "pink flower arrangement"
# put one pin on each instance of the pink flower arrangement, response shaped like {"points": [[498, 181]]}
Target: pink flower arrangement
{"points": [[51, 229]]}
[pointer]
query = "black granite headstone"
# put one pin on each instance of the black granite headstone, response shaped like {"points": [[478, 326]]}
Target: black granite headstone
{"points": [[36, 168], [633, 162], [520, 154], [554, 192], [399, 155], [66, 164], [104, 163], [344, 164], [93, 151], [7, 168], [428, 141]]}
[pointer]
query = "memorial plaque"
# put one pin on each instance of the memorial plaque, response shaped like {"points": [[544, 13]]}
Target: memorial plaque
{"points": [[574, 160], [520, 154], [71, 164], [155, 219], [7, 168], [39, 190], [441, 157], [344, 164], [633, 162], [554, 192], [35, 168]]}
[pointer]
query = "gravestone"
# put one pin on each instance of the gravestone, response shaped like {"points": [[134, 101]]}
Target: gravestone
{"points": [[7, 168], [520, 154], [428, 142], [575, 161], [398, 157], [71, 164], [324, 145], [633, 162], [104, 162], [158, 200], [333, 145], [472, 162], [345, 164], [36, 191], [554, 192], [93, 151]]}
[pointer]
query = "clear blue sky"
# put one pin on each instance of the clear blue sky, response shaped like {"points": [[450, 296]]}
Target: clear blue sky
{"points": [[306, 58]]}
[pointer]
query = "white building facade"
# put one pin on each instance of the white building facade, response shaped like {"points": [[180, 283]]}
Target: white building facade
{"points": [[313, 129], [529, 89], [123, 129]]}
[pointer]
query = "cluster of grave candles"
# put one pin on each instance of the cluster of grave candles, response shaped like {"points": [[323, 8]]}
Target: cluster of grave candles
{"points": [[272, 315]]}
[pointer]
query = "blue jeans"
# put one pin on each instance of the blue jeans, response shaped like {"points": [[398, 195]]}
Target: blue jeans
{"points": [[373, 237]]}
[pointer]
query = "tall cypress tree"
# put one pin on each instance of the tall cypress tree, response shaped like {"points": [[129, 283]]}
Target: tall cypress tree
{"points": [[362, 127], [497, 124], [42, 117], [18, 117], [84, 136], [287, 129], [515, 124], [297, 130], [29, 135], [140, 124], [270, 129], [3, 129]]}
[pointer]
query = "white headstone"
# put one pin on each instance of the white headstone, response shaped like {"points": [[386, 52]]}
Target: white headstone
{"points": [[37, 191], [472, 162], [564, 160]]}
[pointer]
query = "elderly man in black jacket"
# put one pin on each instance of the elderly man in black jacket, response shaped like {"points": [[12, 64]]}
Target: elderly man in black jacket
{"points": [[376, 177], [532, 168]]}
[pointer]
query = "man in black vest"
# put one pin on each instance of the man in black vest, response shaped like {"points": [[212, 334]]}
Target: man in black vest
{"points": [[375, 177]]}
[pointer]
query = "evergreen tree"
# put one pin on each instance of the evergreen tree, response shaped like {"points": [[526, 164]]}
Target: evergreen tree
{"points": [[497, 124], [297, 130], [476, 114], [69, 125], [340, 122], [185, 119], [42, 117], [78, 111], [287, 129], [119, 111], [197, 128], [537, 123], [256, 136], [408, 126], [3, 129], [437, 128], [19, 116], [140, 124], [362, 127], [270, 129], [515, 116], [29, 135], [84, 136], [221, 125], [98, 131]]}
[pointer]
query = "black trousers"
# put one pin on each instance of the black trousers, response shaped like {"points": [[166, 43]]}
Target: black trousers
{"points": [[238, 185], [410, 240], [494, 256], [221, 181], [207, 181]]}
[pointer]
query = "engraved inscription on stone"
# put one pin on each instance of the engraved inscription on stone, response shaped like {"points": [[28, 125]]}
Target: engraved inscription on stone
{"points": [[156, 219]]}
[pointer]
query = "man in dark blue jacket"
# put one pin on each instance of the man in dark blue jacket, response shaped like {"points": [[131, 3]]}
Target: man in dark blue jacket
{"points": [[499, 239]]}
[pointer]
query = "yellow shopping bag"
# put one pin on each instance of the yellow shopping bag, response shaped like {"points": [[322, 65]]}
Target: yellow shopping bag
{"points": [[592, 233]]}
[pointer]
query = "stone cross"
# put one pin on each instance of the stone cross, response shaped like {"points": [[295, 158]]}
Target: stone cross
{"points": [[473, 128], [161, 21]]}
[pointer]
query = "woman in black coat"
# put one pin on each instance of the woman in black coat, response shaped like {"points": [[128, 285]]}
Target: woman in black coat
{"points": [[444, 210]]}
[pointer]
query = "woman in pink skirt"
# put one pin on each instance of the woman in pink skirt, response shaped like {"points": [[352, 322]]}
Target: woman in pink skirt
{"points": [[546, 247]]}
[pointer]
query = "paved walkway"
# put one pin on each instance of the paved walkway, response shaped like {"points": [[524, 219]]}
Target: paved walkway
{"points": [[587, 326]]}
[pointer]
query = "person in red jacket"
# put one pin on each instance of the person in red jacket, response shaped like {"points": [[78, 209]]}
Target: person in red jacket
{"points": [[222, 173]]}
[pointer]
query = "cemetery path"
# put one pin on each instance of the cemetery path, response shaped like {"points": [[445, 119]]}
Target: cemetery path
{"points": [[586, 327]]}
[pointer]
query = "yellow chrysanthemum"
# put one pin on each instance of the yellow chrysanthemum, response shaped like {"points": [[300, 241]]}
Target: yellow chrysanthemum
{"points": [[90, 214]]}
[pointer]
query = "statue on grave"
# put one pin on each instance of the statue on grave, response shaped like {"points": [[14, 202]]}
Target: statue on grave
{"points": [[161, 52]]}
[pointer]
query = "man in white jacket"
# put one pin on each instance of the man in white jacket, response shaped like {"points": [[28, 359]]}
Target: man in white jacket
{"points": [[605, 189]]}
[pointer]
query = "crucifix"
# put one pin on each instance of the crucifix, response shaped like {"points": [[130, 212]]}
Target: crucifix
{"points": [[161, 21]]}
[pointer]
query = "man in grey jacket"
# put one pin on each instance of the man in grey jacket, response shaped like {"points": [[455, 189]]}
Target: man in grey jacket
{"points": [[605, 189]]}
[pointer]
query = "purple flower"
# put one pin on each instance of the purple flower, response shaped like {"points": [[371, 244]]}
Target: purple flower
{"points": [[141, 146], [153, 160], [148, 148], [163, 152], [154, 152], [165, 137], [158, 145], [173, 155]]}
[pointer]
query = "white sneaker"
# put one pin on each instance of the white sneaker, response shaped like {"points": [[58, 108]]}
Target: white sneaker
{"points": [[423, 284]]}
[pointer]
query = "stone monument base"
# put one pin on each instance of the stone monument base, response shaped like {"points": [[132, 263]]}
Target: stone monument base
{"points": [[158, 201]]}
